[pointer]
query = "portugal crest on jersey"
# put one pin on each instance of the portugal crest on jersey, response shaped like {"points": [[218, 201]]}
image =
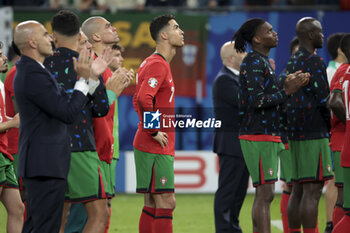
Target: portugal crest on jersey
{"points": [[152, 82], [163, 180]]}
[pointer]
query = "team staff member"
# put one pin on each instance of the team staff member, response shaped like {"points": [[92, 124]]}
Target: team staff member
{"points": [[45, 110], [154, 150], [308, 121], [233, 175], [259, 106]]}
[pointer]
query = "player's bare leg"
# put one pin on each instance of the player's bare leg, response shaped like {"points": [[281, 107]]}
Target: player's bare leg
{"points": [[11, 199], [338, 210], [65, 214], [149, 201], [263, 197], [330, 199], [309, 204], [98, 215], [255, 225], [294, 221]]}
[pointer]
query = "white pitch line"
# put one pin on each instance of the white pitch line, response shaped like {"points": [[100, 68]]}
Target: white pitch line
{"points": [[278, 224]]}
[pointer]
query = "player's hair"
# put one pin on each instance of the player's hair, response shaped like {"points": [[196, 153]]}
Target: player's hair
{"points": [[66, 23], [345, 45], [293, 43], [118, 47], [158, 24], [333, 43], [246, 33], [15, 48]]}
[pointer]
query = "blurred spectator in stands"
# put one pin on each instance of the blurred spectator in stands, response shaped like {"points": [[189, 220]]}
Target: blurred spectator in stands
{"points": [[261, 2], [112, 5], [82, 5], [25, 3], [165, 2], [313, 2]]}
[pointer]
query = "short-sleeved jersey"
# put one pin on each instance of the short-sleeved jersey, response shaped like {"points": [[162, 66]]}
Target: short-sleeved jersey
{"points": [[12, 134], [337, 127], [259, 97], [155, 90], [307, 113], [345, 153]]}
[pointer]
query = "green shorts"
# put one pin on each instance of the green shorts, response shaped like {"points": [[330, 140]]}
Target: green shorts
{"points": [[15, 167], [311, 160], [262, 160], [286, 171], [86, 178], [154, 172], [346, 173], [338, 170], [109, 176], [8, 178]]}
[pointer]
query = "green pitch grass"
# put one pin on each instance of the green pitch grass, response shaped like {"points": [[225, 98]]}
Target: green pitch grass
{"points": [[193, 214]]}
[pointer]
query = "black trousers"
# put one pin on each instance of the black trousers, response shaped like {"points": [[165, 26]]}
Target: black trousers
{"points": [[45, 199], [229, 197]]}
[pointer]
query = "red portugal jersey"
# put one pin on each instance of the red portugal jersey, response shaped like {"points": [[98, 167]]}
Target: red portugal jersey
{"points": [[3, 136], [338, 128], [103, 129], [345, 153], [154, 93], [12, 134]]}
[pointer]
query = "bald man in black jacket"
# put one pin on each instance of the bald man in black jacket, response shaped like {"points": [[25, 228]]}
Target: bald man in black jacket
{"points": [[233, 175]]}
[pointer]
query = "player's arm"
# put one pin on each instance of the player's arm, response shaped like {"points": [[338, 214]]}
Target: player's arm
{"points": [[100, 106], [150, 86], [254, 73], [11, 123], [319, 86], [121, 78], [147, 94], [336, 104]]}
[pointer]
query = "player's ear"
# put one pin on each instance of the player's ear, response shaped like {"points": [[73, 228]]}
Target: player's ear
{"points": [[257, 39], [163, 35], [96, 37]]}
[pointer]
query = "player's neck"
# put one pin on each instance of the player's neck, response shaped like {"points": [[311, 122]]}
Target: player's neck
{"points": [[99, 47], [70, 42], [308, 46], [167, 52], [66, 44], [262, 50]]}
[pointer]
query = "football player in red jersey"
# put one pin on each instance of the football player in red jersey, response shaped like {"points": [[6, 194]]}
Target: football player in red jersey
{"points": [[154, 149]]}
